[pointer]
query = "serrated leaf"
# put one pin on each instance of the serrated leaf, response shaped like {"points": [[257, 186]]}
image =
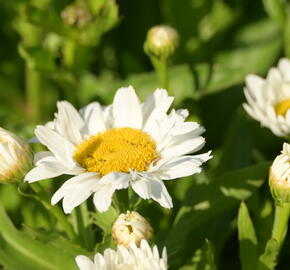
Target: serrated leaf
{"points": [[268, 260], [248, 239]]}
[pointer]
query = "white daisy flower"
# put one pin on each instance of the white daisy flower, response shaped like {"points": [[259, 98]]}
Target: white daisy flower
{"points": [[279, 178], [269, 99], [133, 258], [15, 157], [114, 147]]}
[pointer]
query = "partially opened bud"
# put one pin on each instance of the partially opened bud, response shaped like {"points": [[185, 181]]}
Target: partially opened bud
{"points": [[15, 157], [279, 176], [161, 42], [131, 228]]}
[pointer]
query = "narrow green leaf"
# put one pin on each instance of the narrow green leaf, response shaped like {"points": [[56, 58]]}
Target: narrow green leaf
{"points": [[203, 259], [210, 255], [268, 260], [248, 239], [275, 10]]}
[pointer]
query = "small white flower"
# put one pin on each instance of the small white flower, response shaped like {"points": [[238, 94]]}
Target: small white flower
{"points": [[133, 258], [114, 147], [279, 178], [15, 157], [131, 228], [269, 99]]}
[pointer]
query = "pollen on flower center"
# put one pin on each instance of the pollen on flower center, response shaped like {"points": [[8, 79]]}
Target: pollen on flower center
{"points": [[118, 149], [282, 107]]}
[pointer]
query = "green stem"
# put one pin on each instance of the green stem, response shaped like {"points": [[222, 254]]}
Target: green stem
{"points": [[33, 95], [161, 67], [55, 210], [280, 225], [83, 226]]}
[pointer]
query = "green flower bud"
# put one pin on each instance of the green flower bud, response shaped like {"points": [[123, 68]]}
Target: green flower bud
{"points": [[161, 42], [131, 228], [76, 14], [15, 157], [279, 176]]}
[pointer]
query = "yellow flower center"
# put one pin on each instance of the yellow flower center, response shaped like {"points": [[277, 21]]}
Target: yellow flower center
{"points": [[116, 150], [282, 107]]}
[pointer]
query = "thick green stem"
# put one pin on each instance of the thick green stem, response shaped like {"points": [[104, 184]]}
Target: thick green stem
{"points": [[33, 95], [83, 226], [161, 67], [280, 225], [55, 210]]}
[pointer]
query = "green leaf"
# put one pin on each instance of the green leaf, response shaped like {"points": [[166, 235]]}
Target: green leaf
{"points": [[203, 259], [260, 43], [268, 260], [106, 219], [207, 201], [247, 238], [275, 10], [22, 251]]}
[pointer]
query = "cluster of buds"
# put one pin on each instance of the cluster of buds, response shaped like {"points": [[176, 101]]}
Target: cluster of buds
{"points": [[15, 157], [131, 228]]}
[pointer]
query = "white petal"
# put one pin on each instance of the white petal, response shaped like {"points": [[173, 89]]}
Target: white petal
{"points": [[127, 109], [84, 263], [68, 122], [57, 144], [147, 187], [183, 145], [107, 186], [155, 107], [76, 190], [181, 166], [284, 67], [41, 172], [93, 115], [41, 155]]}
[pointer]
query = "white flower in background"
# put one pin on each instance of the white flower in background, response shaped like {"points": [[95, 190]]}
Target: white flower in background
{"points": [[269, 99], [114, 147], [15, 157], [279, 178], [131, 228], [133, 258]]}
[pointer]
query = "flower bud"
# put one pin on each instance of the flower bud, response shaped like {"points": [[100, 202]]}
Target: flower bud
{"points": [[76, 14], [131, 228], [161, 42], [279, 176], [15, 157]]}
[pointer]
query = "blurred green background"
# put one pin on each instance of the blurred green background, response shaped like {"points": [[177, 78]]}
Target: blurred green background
{"points": [[82, 51]]}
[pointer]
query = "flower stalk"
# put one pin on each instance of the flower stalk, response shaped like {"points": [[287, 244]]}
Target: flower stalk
{"points": [[280, 225]]}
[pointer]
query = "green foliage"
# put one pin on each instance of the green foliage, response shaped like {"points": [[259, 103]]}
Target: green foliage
{"points": [[247, 238], [203, 259], [21, 251], [84, 57], [268, 260], [205, 202]]}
